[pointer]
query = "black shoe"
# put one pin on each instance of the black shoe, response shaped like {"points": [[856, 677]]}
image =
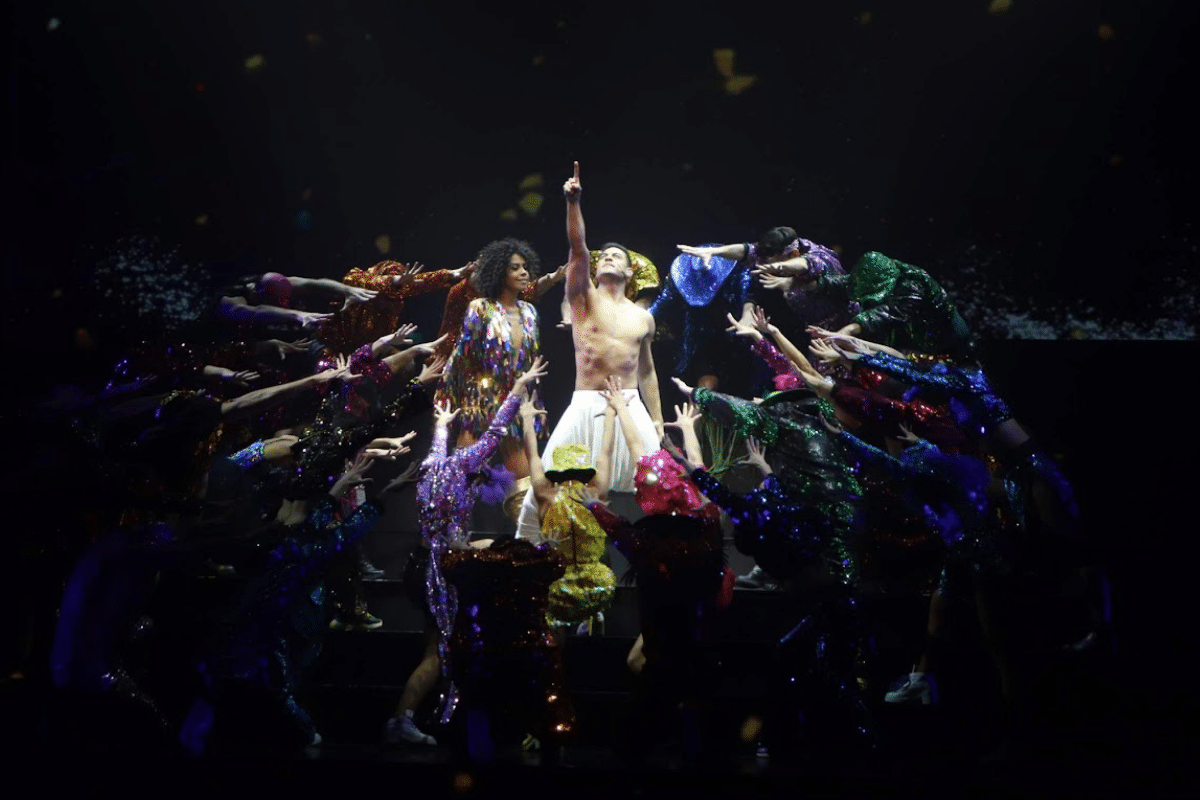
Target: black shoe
{"points": [[369, 571]]}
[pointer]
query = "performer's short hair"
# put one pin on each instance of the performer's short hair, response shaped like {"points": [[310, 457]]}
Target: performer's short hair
{"points": [[622, 248], [774, 242]]}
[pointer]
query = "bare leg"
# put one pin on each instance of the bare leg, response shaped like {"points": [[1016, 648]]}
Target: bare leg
{"points": [[636, 660], [987, 624], [422, 680]]}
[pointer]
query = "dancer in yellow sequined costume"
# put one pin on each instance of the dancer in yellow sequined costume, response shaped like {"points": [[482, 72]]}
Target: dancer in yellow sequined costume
{"points": [[586, 590]]}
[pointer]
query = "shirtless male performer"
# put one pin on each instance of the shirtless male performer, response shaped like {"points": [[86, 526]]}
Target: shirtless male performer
{"points": [[612, 336]]}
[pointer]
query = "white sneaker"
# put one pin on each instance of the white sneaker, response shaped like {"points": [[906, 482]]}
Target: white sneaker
{"points": [[756, 578], [402, 730], [913, 688]]}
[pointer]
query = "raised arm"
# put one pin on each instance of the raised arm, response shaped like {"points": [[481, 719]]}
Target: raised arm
{"points": [[602, 480], [789, 350], [685, 420], [616, 400], [733, 251], [648, 379], [579, 282], [543, 488]]}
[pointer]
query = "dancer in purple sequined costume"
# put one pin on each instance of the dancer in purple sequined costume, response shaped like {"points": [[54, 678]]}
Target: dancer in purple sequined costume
{"points": [[445, 497]]}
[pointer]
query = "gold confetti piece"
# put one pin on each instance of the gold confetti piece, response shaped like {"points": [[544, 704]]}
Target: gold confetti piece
{"points": [[531, 203], [383, 243], [534, 180], [1078, 333], [255, 62], [202, 219], [57, 293], [723, 58], [1114, 161], [509, 215], [1106, 33], [538, 60], [751, 728], [865, 17], [463, 782], [314, 39], [999, 6], [306, 195], [740, 83]]}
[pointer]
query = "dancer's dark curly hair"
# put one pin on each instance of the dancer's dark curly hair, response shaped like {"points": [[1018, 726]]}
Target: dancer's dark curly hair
{"points": [[491, 265], [772, 243]]}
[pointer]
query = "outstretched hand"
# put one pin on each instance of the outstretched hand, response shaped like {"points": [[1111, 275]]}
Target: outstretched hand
{"points": [[409, 476], [685, 417], [340, 369], [464, 271], [407, 274], [768, 281], [587, 496], [353, 295], [431, 371], [907, 436], [705, 254], [738, 328], [529, 407], [612, 392], [427, 348], [683, 387], [353, 474], [536, 370], [572, 187], [756, 456], [823, 351], [400, 337], [442, 415]]}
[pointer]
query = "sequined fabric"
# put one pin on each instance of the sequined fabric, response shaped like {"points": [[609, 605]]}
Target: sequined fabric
{"points": [[786, 376], [362, 323], [485, 364], [455, 312], [976, 406], [504, 658], [445, 497], [663, 487], [587, 586], [697, 282], [810, 466], [881, 416], [901, 306], [699, 330]]}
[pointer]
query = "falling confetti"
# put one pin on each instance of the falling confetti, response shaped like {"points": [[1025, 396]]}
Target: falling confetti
{"points": [[201, 219], [306, 195], [84, 340], [532, 181], [999, 6], [1106, 33], [865, 17], [52, 24], [723, 58], [198, 86], [509, 215], [751, 728], [255, 62], [56, 294], [538, 60], [314, 39], [1114, 161], [463, 782], [383, 243], [531, 203], [303, 221]]}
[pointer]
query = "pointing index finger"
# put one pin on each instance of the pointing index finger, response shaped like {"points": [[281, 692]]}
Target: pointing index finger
{"points": [[576, 170]]}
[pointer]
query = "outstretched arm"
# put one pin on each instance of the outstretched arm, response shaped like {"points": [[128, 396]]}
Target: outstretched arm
{"points": [[473, 457], [685, 420], [543, 488], [603, 478], [253, 402], [616, 401], [734, 251], [578, 280], [648, 380]]}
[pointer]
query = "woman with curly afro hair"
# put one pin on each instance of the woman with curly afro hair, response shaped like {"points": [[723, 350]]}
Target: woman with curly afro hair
{"points": [[497, 342]]}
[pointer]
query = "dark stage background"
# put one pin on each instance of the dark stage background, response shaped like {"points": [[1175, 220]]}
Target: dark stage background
{"points": [[1037, 158]]}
